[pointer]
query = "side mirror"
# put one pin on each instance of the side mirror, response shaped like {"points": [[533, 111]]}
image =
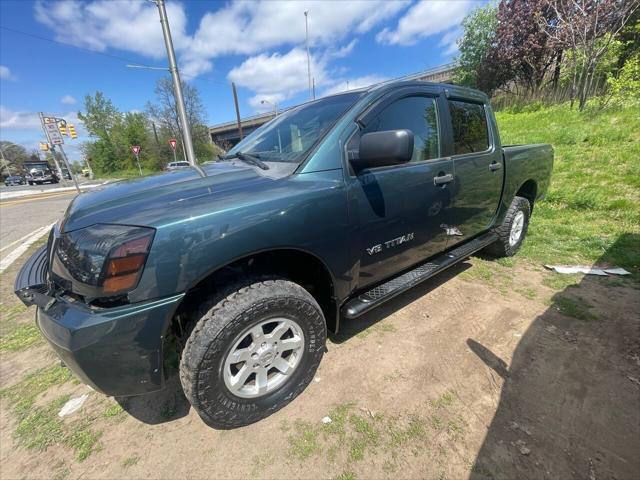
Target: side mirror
{"points": [[379, 149]]}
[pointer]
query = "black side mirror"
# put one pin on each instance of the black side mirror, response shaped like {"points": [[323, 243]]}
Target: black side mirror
{"points": [[379, 149]]}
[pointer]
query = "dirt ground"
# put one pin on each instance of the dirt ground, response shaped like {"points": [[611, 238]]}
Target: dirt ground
{"points": [[491, 370]]}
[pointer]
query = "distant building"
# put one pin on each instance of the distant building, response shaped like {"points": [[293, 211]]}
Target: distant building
{"points": [[226, 135]]}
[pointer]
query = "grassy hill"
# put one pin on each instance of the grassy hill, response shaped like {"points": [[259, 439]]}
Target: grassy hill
{"points": [[594, 198]]}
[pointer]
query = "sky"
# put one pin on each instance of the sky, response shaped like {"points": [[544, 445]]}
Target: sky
{"points": [[53, 53]]}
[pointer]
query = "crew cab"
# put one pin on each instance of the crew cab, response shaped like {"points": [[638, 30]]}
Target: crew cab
{"points": [[245, 264]]}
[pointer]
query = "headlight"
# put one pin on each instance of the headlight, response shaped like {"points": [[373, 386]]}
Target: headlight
{"points": [[101, 260]]}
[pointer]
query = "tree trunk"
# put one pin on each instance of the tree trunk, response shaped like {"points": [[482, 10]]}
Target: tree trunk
{"points": [[556, 71]]}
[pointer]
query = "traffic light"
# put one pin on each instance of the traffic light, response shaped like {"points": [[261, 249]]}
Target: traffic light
{"points": [[44, 146], [72, 131], [63, 129]]}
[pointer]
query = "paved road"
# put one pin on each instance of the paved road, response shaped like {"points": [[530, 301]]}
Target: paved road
{"points": [[44, 186], [21, 216]]}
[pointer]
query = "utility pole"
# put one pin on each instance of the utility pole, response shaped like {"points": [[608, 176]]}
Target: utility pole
{"points": [[235, 101], [66, 162], [155, 132], [306, 28], [177, 86]]}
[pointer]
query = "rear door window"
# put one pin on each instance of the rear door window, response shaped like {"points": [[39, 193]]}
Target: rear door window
{"points": [[470, 130]]}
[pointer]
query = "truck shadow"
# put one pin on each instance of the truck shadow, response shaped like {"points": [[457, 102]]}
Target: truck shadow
{"points": [[160, 407], [350, 328], [570, 400]]}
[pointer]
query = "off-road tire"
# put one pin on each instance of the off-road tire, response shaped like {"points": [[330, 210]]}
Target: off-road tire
{"points": [[219, 321], [502, 247]]}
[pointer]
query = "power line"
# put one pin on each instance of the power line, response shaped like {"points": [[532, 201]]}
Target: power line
{"points": [[46, 39], [206, 78]]}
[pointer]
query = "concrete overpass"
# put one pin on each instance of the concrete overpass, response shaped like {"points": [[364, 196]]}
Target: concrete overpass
{"points": [[226, 135]]}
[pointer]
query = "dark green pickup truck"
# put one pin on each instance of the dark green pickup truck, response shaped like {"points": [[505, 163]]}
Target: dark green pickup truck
{"points": [[245, 263]]}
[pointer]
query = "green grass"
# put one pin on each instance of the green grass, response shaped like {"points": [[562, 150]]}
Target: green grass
{"points": [[114, 411], [21, 337], [22, 395], [444, 400], [592, 210], [39, 427], [574, 307], [304, 442], [130, 461]]}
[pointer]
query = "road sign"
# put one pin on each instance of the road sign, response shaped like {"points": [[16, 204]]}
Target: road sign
{"points": [[172, 143], [51, 129], [135, 149]]}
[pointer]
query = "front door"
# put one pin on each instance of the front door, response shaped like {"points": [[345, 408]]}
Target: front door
{"points": [[398, 210], [479, 170]]}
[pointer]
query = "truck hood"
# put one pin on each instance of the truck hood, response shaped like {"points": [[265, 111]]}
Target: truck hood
{"points": [[166, 197]]}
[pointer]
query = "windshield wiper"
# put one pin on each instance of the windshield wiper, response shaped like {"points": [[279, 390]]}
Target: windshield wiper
{"points": [[251, 159]]}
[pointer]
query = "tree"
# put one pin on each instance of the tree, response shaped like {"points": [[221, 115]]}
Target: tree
{"points": [[14, 155], [522, 48], [475, 46], [100, 119], [165, 113], [587, 28]]}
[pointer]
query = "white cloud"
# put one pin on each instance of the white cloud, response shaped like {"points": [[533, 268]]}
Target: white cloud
{"points": [[238, 27], [277, 76], [450, 41], [424, 19], [6, 74], [68, 100], [129, 25], [14, 120]]}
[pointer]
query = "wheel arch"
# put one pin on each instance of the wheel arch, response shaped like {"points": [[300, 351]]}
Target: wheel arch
{"points": [[528, 190], [297, 265]]}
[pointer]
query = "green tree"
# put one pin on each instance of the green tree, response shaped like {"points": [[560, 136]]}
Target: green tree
{"points": [[165, 113], [14, 155], [100, 118], [480, 27]]}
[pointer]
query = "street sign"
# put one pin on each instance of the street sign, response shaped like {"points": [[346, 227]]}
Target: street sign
{"points": [[51, 129], [172, 143], [135, 149]]}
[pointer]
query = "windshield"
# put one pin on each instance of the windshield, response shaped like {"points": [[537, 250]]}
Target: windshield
{"points": [[289, 136]]}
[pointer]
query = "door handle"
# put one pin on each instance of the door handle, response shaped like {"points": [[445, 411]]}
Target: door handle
{"points": [[495, 166], [443, 179]]}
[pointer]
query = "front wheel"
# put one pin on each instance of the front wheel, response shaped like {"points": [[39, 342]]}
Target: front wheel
{"points": [[252, 352], [513, 229]]}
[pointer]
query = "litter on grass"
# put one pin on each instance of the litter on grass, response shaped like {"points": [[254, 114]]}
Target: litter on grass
{"points": [[588, 270], [72, 405]]}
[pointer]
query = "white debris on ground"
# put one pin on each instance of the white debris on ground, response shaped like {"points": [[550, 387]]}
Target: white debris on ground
{"points": [[73, 405], [326, 420], [588, 270]]}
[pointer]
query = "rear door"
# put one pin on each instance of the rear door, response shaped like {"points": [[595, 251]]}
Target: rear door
{"points": [[478, 169], [398, 210]]}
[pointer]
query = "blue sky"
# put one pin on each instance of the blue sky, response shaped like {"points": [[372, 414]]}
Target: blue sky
{"points": [[258, 44]]}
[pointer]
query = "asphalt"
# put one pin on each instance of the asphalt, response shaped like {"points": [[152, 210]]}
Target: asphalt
{"points": [[21, 216]]}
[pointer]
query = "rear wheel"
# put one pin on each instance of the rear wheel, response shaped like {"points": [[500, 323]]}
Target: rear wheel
{"points": [[251, 352], [513, 229]]}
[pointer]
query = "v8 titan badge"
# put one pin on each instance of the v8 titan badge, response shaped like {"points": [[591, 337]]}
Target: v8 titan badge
{"points": [[394, 242]]}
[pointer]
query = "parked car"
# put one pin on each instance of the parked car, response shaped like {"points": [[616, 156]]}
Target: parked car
{"points": [[13, 180], [244, 265], [177, 165]]}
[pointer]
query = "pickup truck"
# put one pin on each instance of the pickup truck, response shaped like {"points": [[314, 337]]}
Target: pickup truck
{"points": [[244, 264]]}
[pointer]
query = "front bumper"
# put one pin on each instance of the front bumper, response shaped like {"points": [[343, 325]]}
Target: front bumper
{"points": [[117, 351]]}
